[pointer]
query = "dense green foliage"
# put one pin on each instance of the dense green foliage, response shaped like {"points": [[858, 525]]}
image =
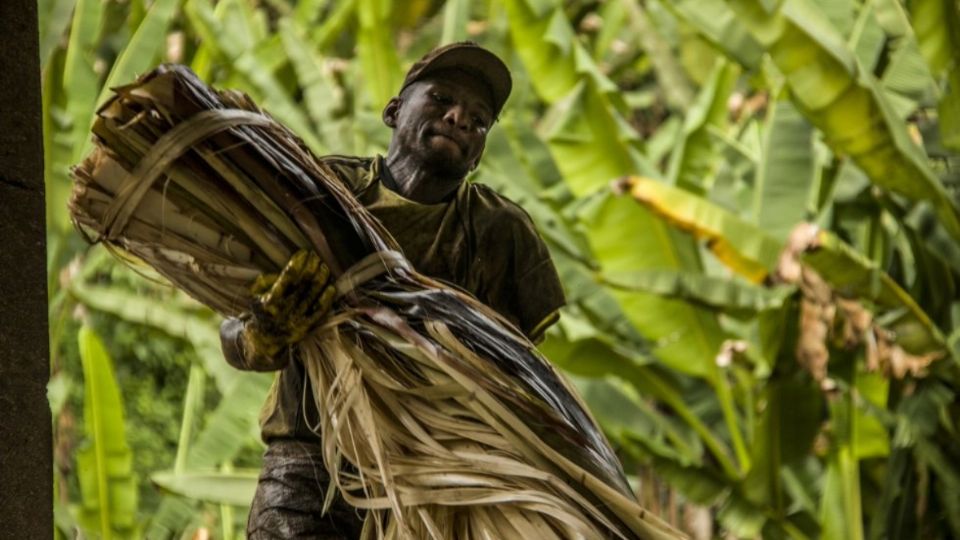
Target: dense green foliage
{"points": [[810, 395]]}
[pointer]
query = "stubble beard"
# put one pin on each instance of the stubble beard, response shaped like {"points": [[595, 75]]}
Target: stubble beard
{"points": [[441, 164]]}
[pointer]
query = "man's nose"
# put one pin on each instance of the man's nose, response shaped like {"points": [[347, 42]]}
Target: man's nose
{"points": [[456, 116]]}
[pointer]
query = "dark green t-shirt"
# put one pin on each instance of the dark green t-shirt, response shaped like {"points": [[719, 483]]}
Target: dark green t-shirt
{"points": [[477, 240]]}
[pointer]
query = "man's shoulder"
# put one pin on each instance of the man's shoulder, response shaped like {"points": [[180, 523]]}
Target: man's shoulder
{"points": [[351, 169], [354, 171], [490, 205]]}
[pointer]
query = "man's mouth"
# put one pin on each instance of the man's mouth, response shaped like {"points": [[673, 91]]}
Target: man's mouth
{"points": [[450, 138]]}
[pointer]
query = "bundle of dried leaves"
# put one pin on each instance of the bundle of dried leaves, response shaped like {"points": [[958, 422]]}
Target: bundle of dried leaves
{"points": [[455, 425]]}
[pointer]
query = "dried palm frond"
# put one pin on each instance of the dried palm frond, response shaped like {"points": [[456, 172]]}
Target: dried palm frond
{"points": [[454, 424]]}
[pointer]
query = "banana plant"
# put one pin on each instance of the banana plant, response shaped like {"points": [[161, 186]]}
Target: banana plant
{"points": [[936, 24], [845, 103], [857, 430], [230, 426], [107, 481], [749, 251], [842, 114], [592, 144]]}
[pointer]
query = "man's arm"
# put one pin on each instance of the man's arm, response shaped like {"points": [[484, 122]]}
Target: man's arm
{"points": [[519, 278]]}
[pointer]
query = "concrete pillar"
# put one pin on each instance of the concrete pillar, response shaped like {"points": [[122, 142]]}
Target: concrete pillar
{"points": [[26, 471]]}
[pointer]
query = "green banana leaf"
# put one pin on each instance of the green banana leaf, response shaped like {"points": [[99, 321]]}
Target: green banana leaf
{"points": [[192, 409], [456, 13], [866, 38], [585, 116], [614, 17], [232, 38], [840, 506], [54, 18], [58, 149], [231, 425], [840, 13], [672, 79], [139, 54], [719, 25], [621, 244], [783, 435], [594, 358], [377, 52], [307, 13], [948, 475], [937, 27], [235, 488], [323, 35], [690, 346], [701, 485], [787, 175], [871, 436], [323, 99], [592, 144], [750, 252], [729, 296], [591, 141], [545, 42], [232, 422], [735, 176], [80, 80], [624, 415], [907, 73], [105, 465], [200, 332], [693, 159], [844, 102]]}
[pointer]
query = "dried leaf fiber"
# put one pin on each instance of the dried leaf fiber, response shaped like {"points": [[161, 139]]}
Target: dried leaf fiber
{"points": [[455, 425]]}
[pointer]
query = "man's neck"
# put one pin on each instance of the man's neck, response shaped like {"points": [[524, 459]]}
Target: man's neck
{"points": [[417, 184]]}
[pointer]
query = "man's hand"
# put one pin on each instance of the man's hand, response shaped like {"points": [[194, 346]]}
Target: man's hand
{"points": [[286, 307]]}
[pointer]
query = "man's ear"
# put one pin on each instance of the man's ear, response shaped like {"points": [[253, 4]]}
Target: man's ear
{"points": [[391, 111]]}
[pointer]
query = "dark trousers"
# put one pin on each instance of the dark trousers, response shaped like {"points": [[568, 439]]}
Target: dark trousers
{"points": [[290, 495]]}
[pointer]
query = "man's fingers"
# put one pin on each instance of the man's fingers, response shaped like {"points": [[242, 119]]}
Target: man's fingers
{"points": [[303, 265], [323, 272], [314, 306], [263, 283], [312, 263], [304, 303], [326, 299], [318, 283], [293, 269], [322, 307], [295, 301], [297, 295]]}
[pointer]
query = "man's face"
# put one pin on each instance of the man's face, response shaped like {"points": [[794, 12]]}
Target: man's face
{"points": [[442, 121]]}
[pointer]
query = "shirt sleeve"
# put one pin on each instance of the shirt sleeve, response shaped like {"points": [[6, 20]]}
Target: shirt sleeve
{"points": [[520, 280], [241, 355]]}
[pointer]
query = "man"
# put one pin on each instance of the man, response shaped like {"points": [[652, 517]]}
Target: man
{"points": [[464, 234]]}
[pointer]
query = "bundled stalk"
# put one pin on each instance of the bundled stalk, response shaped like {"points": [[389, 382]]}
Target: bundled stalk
{"points": [[453, 423]]}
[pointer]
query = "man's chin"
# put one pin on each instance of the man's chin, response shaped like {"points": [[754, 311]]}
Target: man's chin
{"points": [[444, 165]]}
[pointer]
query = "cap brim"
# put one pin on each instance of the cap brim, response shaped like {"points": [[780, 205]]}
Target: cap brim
{"points": [[479, 61]]}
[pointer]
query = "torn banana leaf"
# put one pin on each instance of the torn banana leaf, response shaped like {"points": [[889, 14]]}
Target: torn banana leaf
{"points": [[737, 244]]}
